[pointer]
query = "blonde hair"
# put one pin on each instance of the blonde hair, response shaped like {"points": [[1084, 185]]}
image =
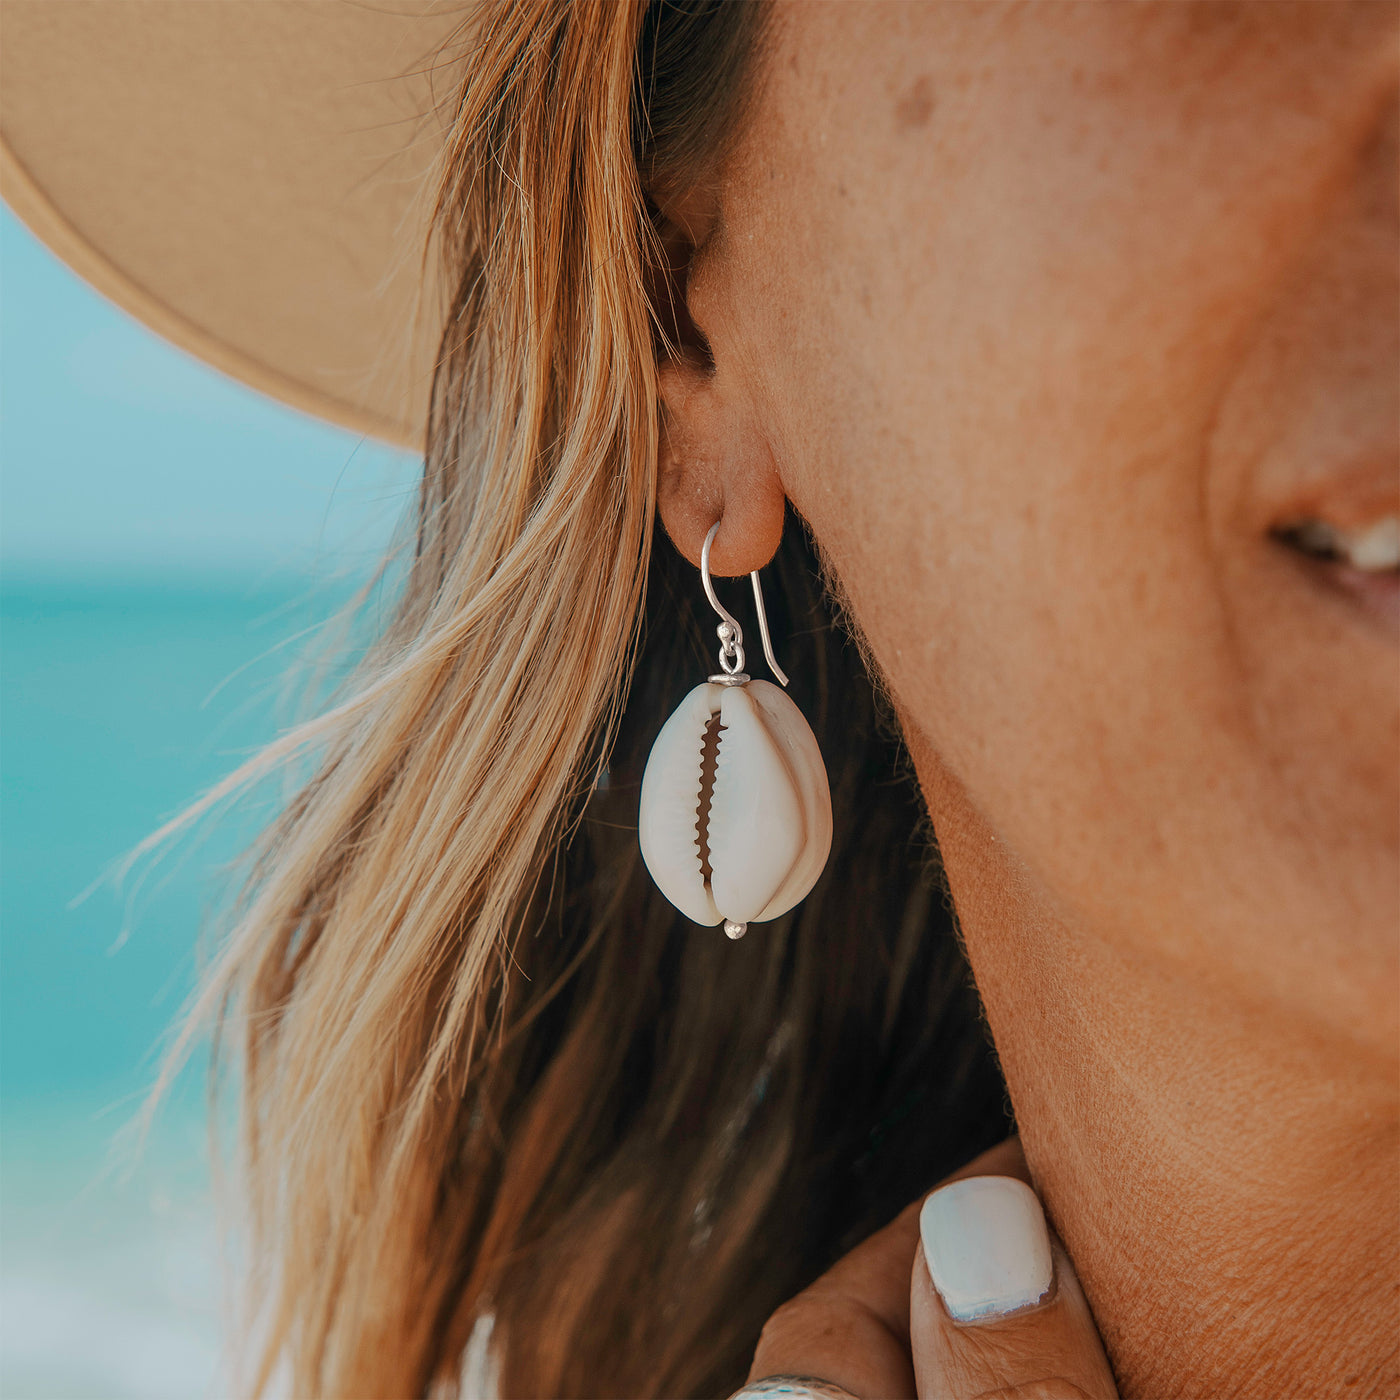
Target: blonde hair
{"points": [[484, 1067]]}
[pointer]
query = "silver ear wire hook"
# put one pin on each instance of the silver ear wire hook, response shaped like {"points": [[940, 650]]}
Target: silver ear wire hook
{"points": [[763, 631], [731, 635]]}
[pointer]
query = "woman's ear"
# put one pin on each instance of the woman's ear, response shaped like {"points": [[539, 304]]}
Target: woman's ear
{"points": [[715, 461], [716, 464]]}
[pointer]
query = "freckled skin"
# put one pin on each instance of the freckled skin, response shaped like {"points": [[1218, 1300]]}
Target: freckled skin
{"points": [[1045, 317], [916, 106]]}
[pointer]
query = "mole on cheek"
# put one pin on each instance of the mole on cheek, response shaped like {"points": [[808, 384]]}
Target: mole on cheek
{"points": [[916, 106]]}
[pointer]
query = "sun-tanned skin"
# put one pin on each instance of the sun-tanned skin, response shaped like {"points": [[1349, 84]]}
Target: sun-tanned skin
{"points": [[1050, 318]]}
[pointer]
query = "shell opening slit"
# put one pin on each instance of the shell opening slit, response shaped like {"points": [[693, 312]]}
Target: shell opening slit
{"points": [[709, 763]]}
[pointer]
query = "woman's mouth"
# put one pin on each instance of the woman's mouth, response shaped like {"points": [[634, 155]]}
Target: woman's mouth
{"points": [[1361, 561]]}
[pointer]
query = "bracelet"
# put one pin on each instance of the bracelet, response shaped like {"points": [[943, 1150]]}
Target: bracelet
{"points": [[799, 1387]]}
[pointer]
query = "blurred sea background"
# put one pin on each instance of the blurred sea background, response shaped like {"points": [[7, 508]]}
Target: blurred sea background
{"points": [[167, 539]]}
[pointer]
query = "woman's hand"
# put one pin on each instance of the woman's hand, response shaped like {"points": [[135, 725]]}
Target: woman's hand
{"points": [[882, 1323]]}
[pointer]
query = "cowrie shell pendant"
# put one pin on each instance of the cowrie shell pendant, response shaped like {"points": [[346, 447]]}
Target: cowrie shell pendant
{"points": [[735, 815], [757, 846]]}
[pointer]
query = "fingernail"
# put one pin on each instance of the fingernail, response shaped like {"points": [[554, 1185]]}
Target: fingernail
{"points": [[986, 1245]]}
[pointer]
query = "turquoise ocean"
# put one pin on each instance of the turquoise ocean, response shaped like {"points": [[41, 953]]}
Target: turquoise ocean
{"points": [[168, 540], [120, 702]]}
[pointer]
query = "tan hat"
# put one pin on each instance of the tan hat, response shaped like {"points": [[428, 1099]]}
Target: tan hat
{"points": [[250, 178]]}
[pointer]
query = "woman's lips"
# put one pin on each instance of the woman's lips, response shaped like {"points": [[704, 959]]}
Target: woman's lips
{"points": [[1360, 562], [1371, 547], [1378, 593]]}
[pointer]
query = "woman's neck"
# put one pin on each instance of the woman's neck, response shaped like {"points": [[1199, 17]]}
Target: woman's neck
{"points": [[1224, 1178]]}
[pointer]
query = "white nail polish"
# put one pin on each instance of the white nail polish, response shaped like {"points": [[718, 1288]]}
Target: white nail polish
{"points": [[986, 1245]]}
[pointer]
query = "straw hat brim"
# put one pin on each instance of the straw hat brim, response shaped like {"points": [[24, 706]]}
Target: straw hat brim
{"points": [[250, 178]]}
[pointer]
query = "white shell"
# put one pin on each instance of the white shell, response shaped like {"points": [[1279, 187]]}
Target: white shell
{"points": [[770, 812]]}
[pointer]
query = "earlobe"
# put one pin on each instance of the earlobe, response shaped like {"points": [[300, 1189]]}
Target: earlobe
{"points": [[715, 464]]}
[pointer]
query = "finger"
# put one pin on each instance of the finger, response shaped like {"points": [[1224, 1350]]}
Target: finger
{"points": [[996, 1312], [851, 1327]]}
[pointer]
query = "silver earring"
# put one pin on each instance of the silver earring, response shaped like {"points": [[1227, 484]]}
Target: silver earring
{"points": [[735, 816]]}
